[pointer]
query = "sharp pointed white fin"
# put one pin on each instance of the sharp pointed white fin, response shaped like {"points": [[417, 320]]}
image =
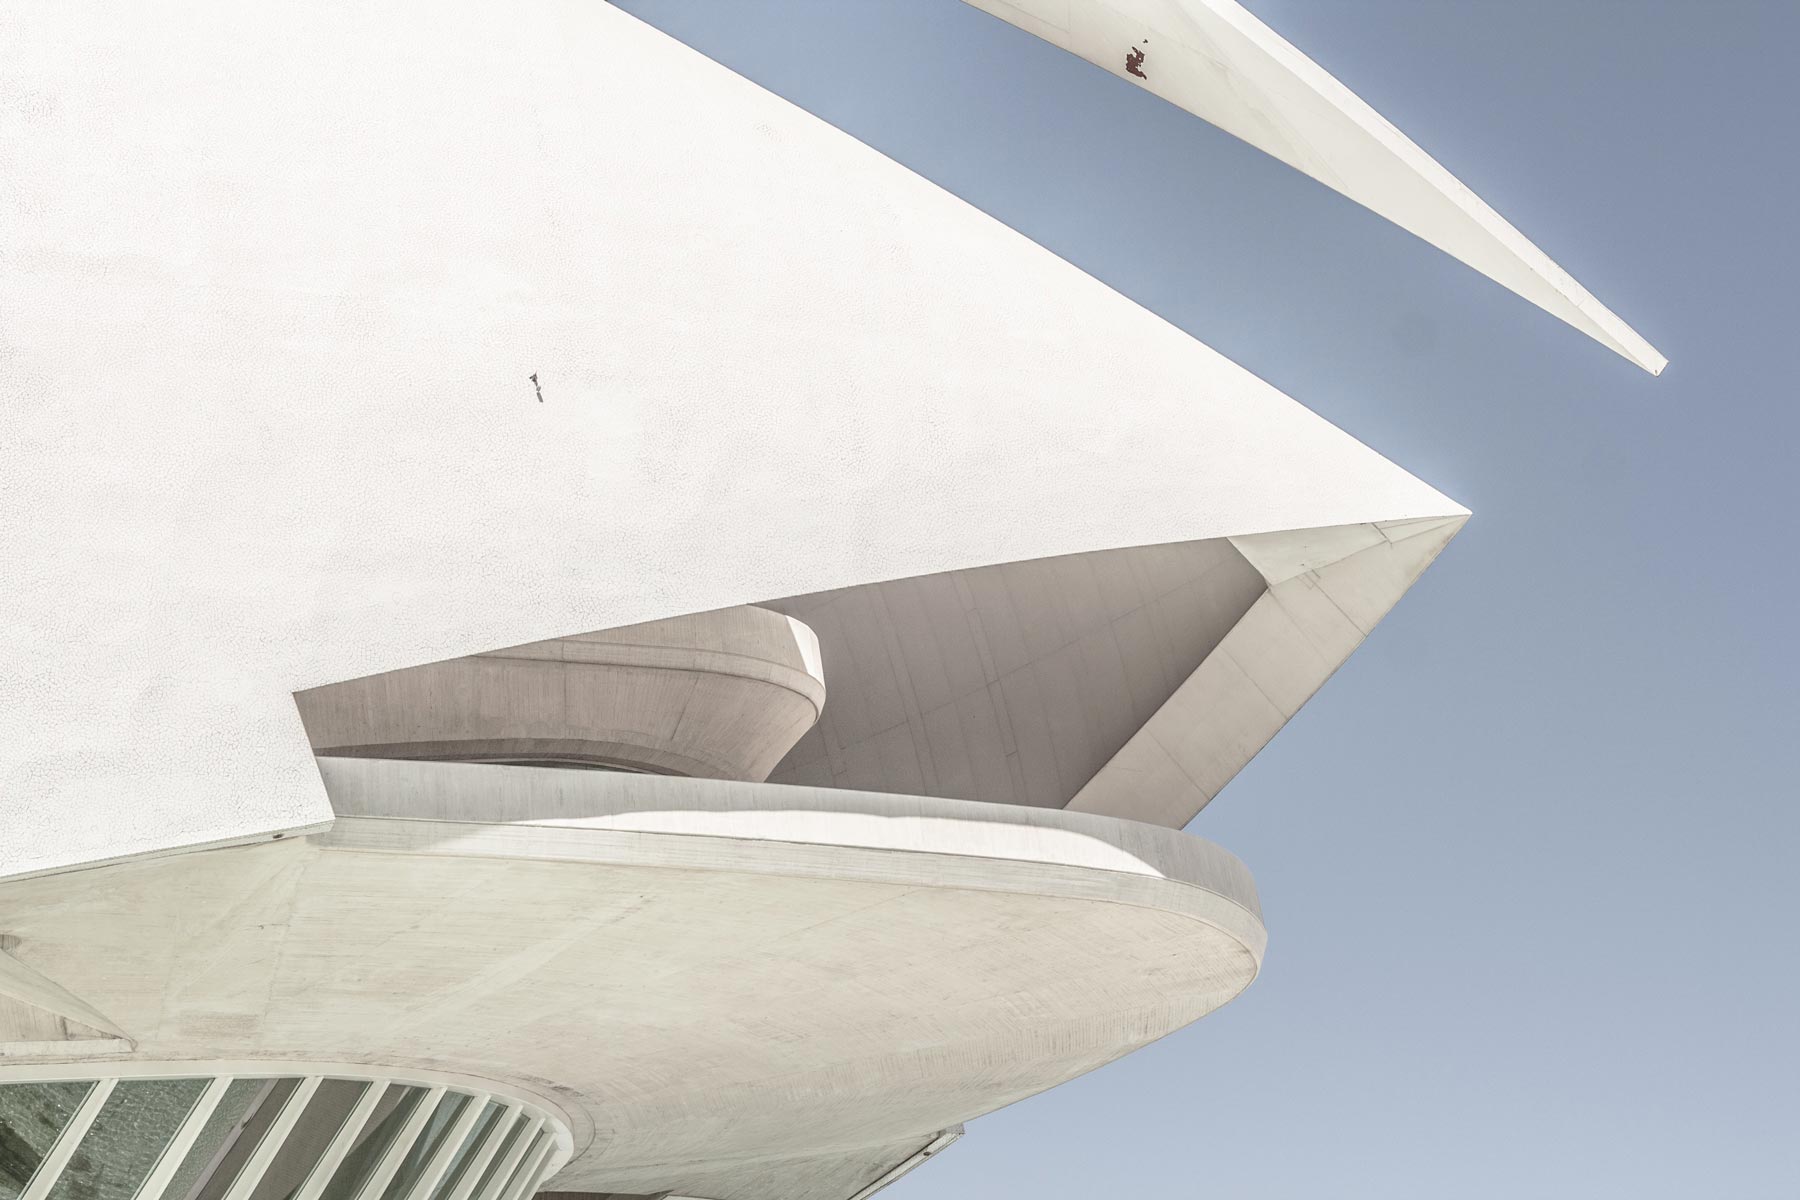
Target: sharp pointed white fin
{"points": [[1217, 61]]}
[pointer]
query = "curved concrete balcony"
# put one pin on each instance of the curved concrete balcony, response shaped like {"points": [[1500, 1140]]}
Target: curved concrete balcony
{"points": [[717, 695], [734, 991]]}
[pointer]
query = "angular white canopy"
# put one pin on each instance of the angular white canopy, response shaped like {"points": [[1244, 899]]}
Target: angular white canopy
{"points": [[1217, 61], [268, 355], [329, 360]]}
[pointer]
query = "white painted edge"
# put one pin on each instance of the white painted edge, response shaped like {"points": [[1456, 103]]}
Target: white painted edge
{"points": [[248, 839], [1217, 902], [551, 812], [925, 1153]]}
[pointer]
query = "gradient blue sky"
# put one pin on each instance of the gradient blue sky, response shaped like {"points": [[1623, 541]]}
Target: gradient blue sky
{"points": [[1529, 860]]}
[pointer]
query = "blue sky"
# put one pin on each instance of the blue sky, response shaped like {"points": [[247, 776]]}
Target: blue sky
{"points": [[1529, 860]]}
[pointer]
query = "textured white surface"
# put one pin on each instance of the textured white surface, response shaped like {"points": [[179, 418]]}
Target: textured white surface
{"points": [[1217, 61], [276, 277]]}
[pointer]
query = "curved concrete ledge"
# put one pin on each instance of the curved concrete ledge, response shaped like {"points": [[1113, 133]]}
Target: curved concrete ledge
{"points": [[765, 992], [505, 811], [719, 695]]}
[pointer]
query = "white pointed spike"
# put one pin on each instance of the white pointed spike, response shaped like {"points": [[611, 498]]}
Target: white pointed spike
{"points": [[1217, 61]]}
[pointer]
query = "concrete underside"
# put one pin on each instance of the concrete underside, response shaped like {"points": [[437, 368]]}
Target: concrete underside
{"points": [[719, 695], [734, 991], [1012, 683], [1132, 682]]}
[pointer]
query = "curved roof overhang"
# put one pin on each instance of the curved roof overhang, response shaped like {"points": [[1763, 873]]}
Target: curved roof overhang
{"points": [[246, 466], [741, 990]]}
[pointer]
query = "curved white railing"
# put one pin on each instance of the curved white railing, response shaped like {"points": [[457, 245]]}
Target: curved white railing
{"points": [[247, 1131]]}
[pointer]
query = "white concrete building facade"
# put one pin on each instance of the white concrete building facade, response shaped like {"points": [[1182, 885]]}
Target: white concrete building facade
{"points": [[571, 628]]}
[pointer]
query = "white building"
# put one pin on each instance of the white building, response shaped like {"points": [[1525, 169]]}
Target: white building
{"points": [[345, 346]]}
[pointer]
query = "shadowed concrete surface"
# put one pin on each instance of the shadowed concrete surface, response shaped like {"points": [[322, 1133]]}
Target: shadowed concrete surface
{"points": [[1015, 683], [717, 695]]}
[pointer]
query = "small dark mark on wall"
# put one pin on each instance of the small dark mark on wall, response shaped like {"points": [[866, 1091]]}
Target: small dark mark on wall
{"points": [[1134, 60], [535, 384]]}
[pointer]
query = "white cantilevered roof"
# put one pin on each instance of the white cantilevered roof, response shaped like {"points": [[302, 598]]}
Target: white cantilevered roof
{"points": [[273, 298], [1219, 62]]}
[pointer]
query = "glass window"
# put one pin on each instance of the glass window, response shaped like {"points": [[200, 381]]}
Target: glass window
{"points": [[484, 1128], [309, 1138], [383, 1126], [215, 1137], [426, 1144], [134, 1126], [31, 1115]]}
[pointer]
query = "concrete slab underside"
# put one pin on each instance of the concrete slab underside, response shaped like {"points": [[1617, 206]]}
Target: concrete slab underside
{"points": [[780, 1017]]}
